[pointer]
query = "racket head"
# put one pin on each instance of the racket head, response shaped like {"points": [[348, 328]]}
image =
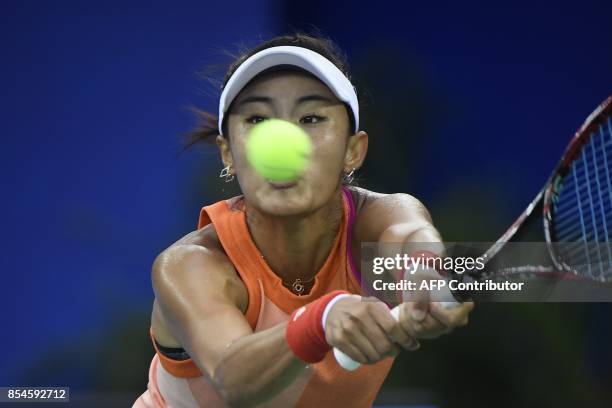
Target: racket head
{"points": [[577, 206]]}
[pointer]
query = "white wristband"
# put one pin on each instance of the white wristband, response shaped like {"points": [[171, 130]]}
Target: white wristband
{"points": [[331, 304]]}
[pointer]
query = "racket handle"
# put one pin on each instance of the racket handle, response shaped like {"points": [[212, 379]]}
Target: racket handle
{"points": [[351, 365], [450, 305], [345, 361]]}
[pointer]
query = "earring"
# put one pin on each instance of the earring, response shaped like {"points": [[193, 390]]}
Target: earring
{"points": [[225, 172], [350, 176]]}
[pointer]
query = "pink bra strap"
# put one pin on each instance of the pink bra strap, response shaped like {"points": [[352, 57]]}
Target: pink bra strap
{"points": [[349, 235]]}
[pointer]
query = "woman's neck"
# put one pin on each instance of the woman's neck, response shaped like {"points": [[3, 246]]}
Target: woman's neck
{"points": [[296, 247]]}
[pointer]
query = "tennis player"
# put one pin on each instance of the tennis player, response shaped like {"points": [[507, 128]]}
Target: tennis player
{"points": [[248, 306]]}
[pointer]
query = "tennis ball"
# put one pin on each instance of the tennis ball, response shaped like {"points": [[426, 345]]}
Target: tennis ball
{"points": [[278, 150]]}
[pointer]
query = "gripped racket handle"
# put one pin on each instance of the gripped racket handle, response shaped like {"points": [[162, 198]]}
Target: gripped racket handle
{"points": [[351, 365]]}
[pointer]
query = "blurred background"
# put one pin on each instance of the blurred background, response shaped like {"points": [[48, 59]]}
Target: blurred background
{"points": [[468, 106]]}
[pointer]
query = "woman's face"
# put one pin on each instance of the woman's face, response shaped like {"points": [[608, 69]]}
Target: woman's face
{"points": [[301, 99]]}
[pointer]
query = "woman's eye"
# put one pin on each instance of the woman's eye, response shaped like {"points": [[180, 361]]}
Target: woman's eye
{"points": [[311, 119], [255, 119]]}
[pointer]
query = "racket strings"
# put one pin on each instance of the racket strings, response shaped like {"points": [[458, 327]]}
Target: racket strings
{"points": [[582, 210]]}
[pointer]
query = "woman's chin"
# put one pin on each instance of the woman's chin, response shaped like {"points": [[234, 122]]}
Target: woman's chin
{"points": [[285, 199]]}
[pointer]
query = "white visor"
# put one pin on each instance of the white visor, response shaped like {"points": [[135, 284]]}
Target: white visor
{"points": [[304, 58]]}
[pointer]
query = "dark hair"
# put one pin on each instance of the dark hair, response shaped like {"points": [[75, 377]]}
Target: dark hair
{"points": [[207, 127]]}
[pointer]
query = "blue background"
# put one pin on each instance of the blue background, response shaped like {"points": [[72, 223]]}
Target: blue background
{"points": [[468, 105]]}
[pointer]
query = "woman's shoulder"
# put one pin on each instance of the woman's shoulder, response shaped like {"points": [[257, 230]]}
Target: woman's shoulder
{"points": [[368, 200], [205, 237], [194, 269], [199, 247], [376, 211], [197, 260]]}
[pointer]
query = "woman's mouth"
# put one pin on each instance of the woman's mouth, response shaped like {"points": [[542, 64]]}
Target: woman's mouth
{"points": [[282, 185]]}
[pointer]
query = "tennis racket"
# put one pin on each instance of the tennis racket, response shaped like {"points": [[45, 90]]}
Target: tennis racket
{"points": [[576, 210]]}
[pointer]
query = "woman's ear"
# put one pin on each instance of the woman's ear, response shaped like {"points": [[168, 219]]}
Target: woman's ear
{"points": [[356, 151], [226, 152]]}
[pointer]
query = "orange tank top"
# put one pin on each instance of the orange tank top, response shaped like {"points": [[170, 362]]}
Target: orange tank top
{"points": [[324, 384]]}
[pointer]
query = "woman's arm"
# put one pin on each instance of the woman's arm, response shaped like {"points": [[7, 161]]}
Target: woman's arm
{"points": [[202, 301], [402, 219]]}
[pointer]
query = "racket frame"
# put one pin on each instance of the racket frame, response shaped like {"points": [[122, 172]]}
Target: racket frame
{"points": [[547, 194]]}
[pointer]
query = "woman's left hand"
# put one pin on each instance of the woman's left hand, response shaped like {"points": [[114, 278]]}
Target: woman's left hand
{"points": [[430, 320]]}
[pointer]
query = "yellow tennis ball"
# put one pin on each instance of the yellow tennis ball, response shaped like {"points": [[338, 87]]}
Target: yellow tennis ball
{"points": [[278, 150]]}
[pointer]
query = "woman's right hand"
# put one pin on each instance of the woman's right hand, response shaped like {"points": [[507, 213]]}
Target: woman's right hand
{"points": [[364, 329]]}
